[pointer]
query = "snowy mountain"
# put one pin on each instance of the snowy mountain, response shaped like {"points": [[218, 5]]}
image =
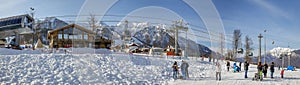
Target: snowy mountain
{"points": [[194, 49], [159, 37], [148, 36], [153, 36], [295, 56], [280, 51]]}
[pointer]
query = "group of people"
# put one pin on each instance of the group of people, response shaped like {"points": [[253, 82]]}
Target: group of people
{"points": [[262, 69], [184, 70]]}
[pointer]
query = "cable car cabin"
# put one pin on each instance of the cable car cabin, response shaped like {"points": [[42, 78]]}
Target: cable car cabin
{"points": [[240, 50], [250, 54]]}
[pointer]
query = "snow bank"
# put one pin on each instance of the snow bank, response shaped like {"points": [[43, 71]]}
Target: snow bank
{"points": [[118, 69], [90, 69], [5, 51]]}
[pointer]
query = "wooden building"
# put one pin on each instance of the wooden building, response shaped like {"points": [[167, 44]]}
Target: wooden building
{"points": [[76, 36]]}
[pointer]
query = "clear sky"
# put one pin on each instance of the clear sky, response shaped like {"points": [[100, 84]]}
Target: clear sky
{"points": [[279, 18]]}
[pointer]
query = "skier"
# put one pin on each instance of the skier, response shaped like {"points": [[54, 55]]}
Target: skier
{"points": [[265, 70], [272, 69], [175, 70], [218, 71], [228, 65], [184, 66], [246, 65]]}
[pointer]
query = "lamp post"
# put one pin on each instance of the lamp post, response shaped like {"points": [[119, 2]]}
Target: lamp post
{"points": [[289, 56], [33, 27], [186, 44], [259, 51], [178, 27], [265, 53], [282, 62]]}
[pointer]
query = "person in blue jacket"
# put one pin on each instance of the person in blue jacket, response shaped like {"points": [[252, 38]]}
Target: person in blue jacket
{"points": [[234, 67]]}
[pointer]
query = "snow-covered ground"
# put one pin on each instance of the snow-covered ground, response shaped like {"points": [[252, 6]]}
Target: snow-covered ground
{"points": [[107, 67]]}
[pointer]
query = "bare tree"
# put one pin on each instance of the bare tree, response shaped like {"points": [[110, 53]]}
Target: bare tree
{"points": [[93, 22], [248, 43], [229, 54], [236, 42]]}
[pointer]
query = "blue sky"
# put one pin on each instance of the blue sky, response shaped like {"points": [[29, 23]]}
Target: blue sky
{"points": [[279, 18]]}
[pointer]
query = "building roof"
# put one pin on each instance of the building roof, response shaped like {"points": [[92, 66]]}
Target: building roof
{"points": [[17, 16], [15, 22], [73, 26]]}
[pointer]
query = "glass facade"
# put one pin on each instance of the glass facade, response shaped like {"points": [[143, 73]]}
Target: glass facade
{"points": [[15, 22], [10, 22]]}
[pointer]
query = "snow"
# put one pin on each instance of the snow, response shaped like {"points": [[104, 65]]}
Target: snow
{"points": [[105, 67], [4, 51]]}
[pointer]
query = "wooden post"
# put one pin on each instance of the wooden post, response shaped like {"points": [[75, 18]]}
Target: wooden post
{"points": [[63, 38], [51, 41], [83, 41], [56, 40]]}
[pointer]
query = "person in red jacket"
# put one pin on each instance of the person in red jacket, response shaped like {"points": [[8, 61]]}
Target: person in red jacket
{"points": [[282, 73]]}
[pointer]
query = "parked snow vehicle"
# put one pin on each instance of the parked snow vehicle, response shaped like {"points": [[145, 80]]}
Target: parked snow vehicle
{"points": [[291, 68]]}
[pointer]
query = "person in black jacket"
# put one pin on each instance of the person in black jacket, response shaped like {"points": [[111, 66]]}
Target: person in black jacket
{"points": [[175, 70], [246, 65], [272, 69], [265, 70], [228, 65]]}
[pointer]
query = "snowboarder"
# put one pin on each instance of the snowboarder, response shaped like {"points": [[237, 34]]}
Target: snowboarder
{"points": [[175, 70], [265, 70], [246, 65], [218, 71], [228, 65], [282, 73], [184, 66], [272, 69]]}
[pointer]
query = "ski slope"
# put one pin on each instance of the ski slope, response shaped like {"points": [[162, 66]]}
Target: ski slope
{"points": [[119, 68]]}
